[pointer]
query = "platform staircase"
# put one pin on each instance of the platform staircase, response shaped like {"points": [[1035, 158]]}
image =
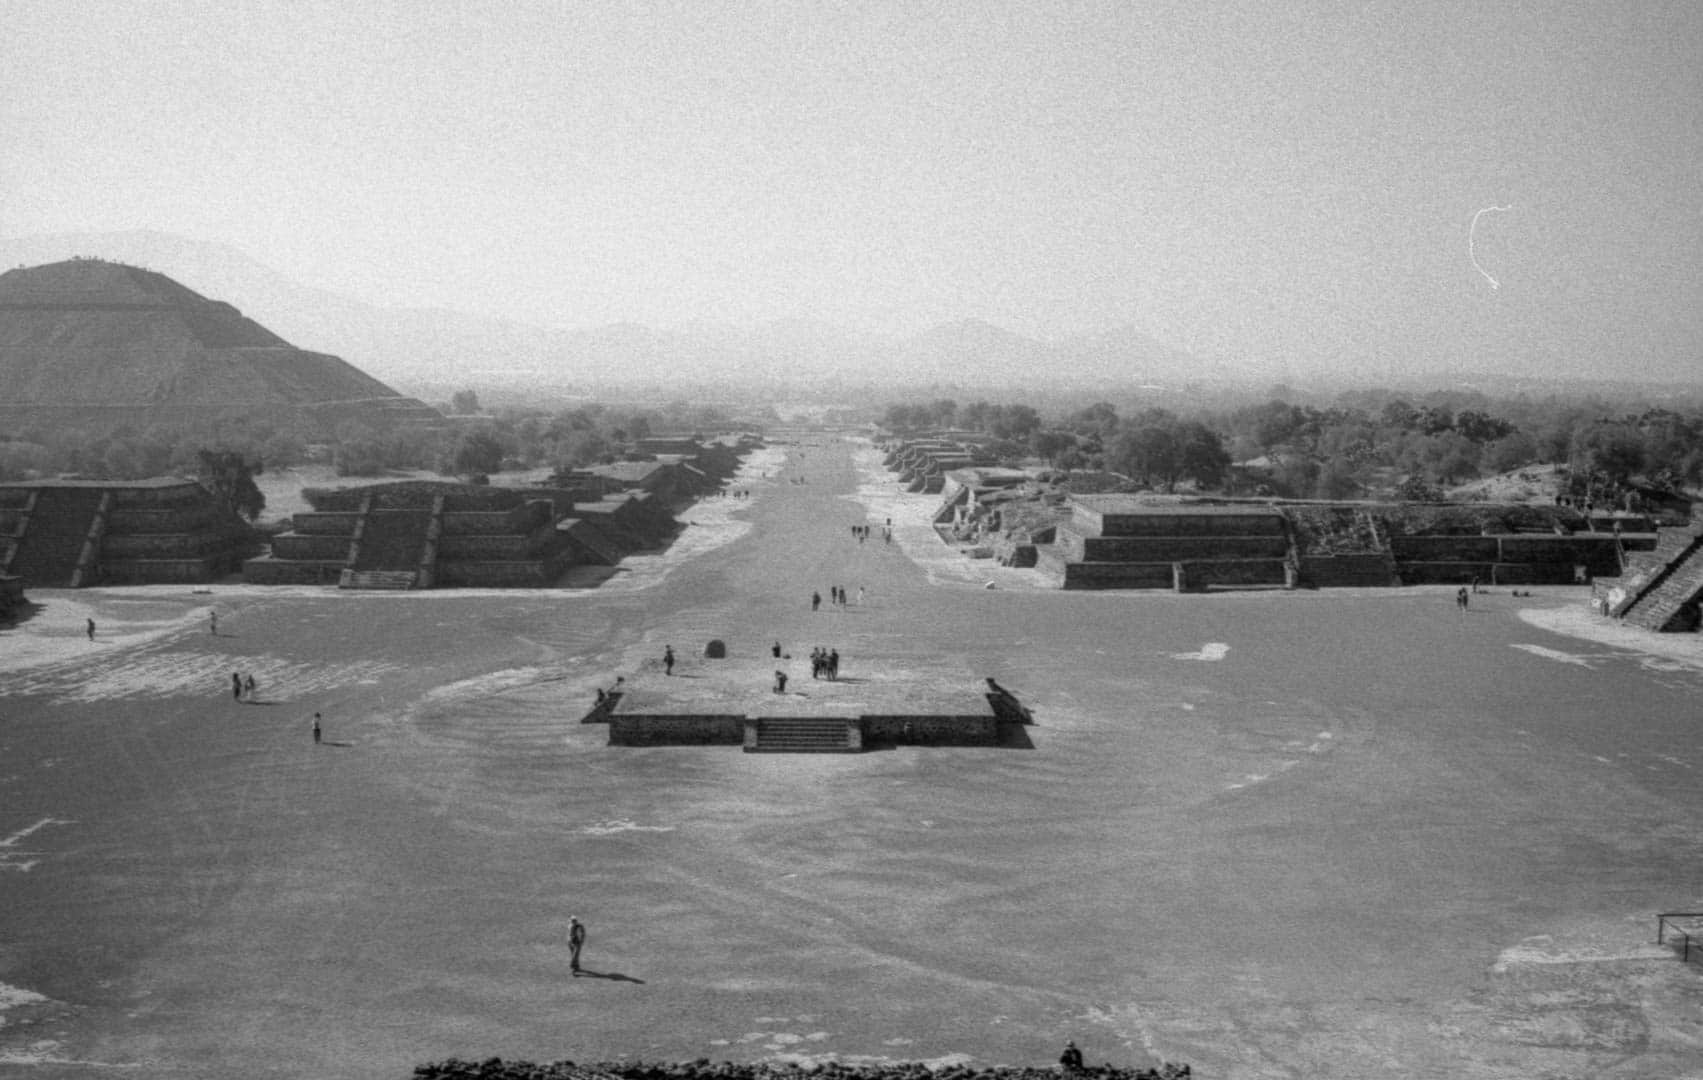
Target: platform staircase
{"points": [[51, 544], [804, 735]]}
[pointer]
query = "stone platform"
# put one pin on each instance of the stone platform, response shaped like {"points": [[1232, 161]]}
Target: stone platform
{"points": [[733, 702]]}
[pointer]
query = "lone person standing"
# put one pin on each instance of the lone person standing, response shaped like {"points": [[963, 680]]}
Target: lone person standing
{"points": [[91, 623], [668, 660], [213, 623], [576, 942], [316, 732], [1071, 1059]]}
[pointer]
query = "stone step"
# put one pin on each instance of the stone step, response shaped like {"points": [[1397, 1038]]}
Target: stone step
{"points": [[802, 735]]}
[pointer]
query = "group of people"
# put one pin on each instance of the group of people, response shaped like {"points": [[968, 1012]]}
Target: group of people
{"points": [[824, 663], [242, 687], [836, 596], [864, 532]]}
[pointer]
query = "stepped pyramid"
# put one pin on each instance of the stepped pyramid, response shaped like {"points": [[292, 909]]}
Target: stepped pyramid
{"points": [[99, 345]]}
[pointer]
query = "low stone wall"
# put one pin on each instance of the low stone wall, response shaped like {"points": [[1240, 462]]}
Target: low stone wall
{"points": [[1139, 549], [1201, 575], [318, 524], [180, 519], [158, 496], [931, 730], [704, 730], [1108, 575], [308, 546], [161, 545], [486, 548], [512, 574], [162, 571], [273, 571], [519, 520], [1345, 571], [1445, 548], [1181, 523]]}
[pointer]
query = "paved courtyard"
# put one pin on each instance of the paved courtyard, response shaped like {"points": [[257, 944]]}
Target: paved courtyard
{"points": [[1344, 834]]}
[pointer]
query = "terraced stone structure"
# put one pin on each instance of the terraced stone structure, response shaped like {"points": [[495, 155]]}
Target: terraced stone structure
{"points": [[1158, 542], [75, 533], [420, 535], [1120, 542], [97, 346]]}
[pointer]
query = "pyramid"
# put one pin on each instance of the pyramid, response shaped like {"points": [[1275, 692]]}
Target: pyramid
{"points": [[99, 345]]}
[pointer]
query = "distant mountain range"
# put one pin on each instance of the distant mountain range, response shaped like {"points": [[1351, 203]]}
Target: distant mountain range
{"points": [[440, 347]]}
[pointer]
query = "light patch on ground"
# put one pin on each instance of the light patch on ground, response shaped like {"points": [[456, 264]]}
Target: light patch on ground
{"points": [[495, 682], [1215, 650], [13, 996], [58, 633], [610, 828], [11, 858], [1682, 650], [709, 524], [1544, 949], [170, 674], [1553, 654]]}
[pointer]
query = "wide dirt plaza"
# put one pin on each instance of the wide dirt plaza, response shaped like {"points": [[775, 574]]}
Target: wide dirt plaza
{"points": [[1334, 834]]}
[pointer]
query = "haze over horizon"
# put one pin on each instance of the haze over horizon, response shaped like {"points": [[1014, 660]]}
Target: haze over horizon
{"points": [[1288, 182]]}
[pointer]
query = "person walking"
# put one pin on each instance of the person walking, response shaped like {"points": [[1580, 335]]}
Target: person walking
{"points": [[91, 623], [776, 650], [236, 686], [668, 660], [248, 687], [213, 623], [815, 601], [576, 942], [316, 731]]}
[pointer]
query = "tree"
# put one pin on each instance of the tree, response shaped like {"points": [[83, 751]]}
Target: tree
{"points": [[477, 452], [1052, 445], [230, 477], [1201, 454], [1142, 453], [464, 403]]}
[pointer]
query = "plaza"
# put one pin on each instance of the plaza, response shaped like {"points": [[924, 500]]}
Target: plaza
{"points": [[1346, 833]]}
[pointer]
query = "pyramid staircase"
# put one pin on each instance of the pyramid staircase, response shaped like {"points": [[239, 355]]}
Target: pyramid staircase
{"points": [[1660, 586], [804, 735]]}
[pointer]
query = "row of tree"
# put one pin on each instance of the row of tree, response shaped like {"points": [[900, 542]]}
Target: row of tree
{"points": [[1342, 450]]}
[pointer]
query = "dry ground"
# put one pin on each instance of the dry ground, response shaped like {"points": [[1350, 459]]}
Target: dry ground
{"points": [[1346, 834]]}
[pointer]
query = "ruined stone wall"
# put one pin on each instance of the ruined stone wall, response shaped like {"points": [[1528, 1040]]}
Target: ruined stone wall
{"points": [[932, 730], [700, 730], [325, 524]]}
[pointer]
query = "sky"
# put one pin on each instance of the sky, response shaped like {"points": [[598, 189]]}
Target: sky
{"points": [[1289, 180]]}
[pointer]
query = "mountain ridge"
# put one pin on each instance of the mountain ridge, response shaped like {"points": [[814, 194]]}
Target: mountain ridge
{"points": [[447, 346]]}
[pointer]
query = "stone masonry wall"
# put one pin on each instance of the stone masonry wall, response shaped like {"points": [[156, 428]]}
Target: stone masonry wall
{"points": [[705, 730], [932, 730]]}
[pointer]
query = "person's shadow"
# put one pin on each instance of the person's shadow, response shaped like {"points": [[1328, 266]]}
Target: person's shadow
{"points": [[612, 976]]}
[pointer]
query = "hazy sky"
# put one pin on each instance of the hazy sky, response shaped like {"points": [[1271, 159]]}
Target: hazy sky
{"points": [[1273, 178]]}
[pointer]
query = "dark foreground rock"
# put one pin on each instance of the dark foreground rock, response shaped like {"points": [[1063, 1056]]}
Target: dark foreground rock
{"points": [[704, 1069]]}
